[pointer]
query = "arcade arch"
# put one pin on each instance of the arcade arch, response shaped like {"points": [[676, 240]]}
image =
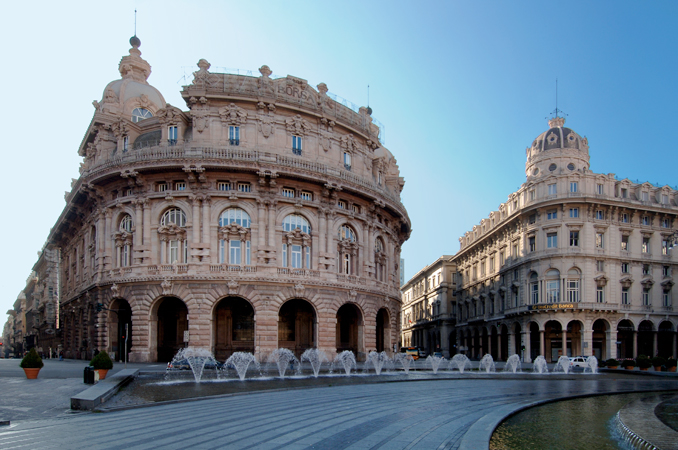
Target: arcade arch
{"points": [[233, 327], [297, 326]]}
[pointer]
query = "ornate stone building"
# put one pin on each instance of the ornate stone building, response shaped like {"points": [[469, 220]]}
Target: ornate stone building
{"points": [[429, 308], [267, 215], [574, 263]]}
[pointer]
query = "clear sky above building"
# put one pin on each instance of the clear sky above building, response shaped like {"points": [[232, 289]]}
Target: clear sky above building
{"points": [[461, 87]]}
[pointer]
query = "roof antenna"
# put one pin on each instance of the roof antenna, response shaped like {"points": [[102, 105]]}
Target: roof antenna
{"points": [[135, 21], [556, 111], [369, 110]]}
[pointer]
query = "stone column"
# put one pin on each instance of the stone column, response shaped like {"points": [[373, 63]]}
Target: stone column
{"points": [[511, 342], [147, 223], [322, 232], [587, 342], [196, 220], [654, 344], [610, 345], [542, 345], [206, 223], [635, 344], [525, 340], [261, 224], [271, 223], [138, 223], [107, 239], [564, 344]]}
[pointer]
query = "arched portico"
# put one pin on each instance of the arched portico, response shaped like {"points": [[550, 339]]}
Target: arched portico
{"points": [[625, 337], [350, 330], [574, 339], [666, 339], [120, 314], [646, 336], [383, 331], [233, 327], [600, 339], [172, 323], [553, 341], [297, 326]]}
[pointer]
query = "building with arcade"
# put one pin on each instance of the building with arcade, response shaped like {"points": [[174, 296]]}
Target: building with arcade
{"points": [[266, 215]]}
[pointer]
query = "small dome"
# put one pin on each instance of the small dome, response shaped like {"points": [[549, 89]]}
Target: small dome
{"points": [[127, 88], [558, 137]]}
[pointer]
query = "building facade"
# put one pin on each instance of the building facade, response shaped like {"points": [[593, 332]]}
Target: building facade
{"points": [[266, 215], [429, 309], [574, 263]]}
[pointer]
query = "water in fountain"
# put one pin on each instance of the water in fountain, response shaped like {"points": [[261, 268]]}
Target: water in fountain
{"points": [[434, 362], [563, 365], [512, 364], [405, 360], [487, 364], [461, 362], [539, 365], [316, 358], [591, 365], [345, 359], [282, 357], [240, 361], [377, 360], [197, 359]]}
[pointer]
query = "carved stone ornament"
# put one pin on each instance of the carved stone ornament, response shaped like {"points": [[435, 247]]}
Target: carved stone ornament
{"points": [[299, 289], [233, 287], [235, 232], [232, 115], [266, 126], [200, 120], [202, 78], [166, 286], [297, 125], [115, 290], [348, 143], [169, 115], [552, 138], [352, 294], [171, 231]]}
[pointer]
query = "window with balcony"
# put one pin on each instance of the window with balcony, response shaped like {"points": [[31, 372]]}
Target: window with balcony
{"points": [[574, 187], [174, 248], [125, 143], [235, 237], [646, 297], [347, 250], [234, 135], [625, 296], [600, 189], [296, 145], [600, 294], [553, 286], [347, 160], [552, 189], [172, 135]]}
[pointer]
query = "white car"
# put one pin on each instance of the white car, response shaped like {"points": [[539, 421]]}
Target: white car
{"points": [[578, 361]]}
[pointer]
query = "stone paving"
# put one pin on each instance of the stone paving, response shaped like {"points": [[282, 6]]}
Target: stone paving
{"points": [[428, 414]]}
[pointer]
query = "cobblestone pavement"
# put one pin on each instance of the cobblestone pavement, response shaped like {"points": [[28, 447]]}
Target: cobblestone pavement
{"points": [[435, 414]]}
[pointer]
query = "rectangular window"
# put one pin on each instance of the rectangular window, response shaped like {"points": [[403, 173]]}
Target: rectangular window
{"points": [[552, 189], [600, 189], [533, 218], [308, 257], [573, 291], [625, 296], [645, 247], [284, 255], [600, 214], [665, 199], [625, 218], [287, 192], [666, 298], [180, 186], [625, 267], [553, 291], [341, 204], [355, 208], [531, 242], [600, 240], [162, 187], [553, 214], [534, 293], [646, 296], [491, 268], [347, 160], [533, 194], [573, 186], [600, 294], [665, 223], [306, 195], [295, 256], [574, 238], [574, 213], [665, 247], [666, 271], [502, 258], [624, 193], [128, 192], [482, 269], [172, 135], [224, 185], [645, 220], [234, 135], [235, 252], [646, 269], [552, 240], [296, 145], [516, 253], [645, 196], [244, 187], [625, 243], [600, 266], [125, 143]]}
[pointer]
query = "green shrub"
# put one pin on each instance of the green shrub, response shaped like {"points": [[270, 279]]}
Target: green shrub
{"points": [[628, 363], [643, 362], [670, 363], [602, 363], [101, 361], [612, 363], [32, 360], [658, 361]]}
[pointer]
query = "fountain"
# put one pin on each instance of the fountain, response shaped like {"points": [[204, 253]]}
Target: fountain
{"points": [[316, 358], [197, 358], [282, 357], [240, 361], [404, 359], [461, 362], [377, 360], [347, 361], [487, 364], [539, 365], [434, 362], [591, 365], [563, 365], [512, 364]]}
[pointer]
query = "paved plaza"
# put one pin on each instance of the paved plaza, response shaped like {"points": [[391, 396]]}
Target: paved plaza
{"points": [[458, 413]]}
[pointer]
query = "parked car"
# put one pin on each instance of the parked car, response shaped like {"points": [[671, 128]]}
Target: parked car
{"points": [[412, 351], [422, 353], [578, 361]]}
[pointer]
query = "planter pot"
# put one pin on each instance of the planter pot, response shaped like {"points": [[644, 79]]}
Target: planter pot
{"points": [[613, 367], [644, 368], [31, 374], [102, 373], [629, 367], [671, 369], [657, 368]]}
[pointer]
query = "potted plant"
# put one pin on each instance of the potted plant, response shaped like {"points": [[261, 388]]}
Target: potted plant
{"points": [[101, 363], [643, 362], [31, 363], [612, 363], [628, 364], [671, 365], [657, 363]]}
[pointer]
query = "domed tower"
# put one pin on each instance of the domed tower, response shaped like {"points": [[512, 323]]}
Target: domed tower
{"points": [[558, 150]]}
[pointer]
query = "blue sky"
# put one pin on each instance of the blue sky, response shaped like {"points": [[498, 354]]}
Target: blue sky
{"points": [[461, 87]]}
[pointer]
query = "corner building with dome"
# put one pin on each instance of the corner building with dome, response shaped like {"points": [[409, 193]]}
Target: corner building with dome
{"points": [[573, 263], [265, 216]]}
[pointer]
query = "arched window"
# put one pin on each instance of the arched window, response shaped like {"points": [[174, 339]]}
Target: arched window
{"points": [[123, 241], [174, 248], [573, 281], [552, 286], [139, 114], [296, 247], [235, 237], [347, 251], [380, 260]]}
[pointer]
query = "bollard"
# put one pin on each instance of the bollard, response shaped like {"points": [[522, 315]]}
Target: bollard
{"points": [[89, 375]]}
